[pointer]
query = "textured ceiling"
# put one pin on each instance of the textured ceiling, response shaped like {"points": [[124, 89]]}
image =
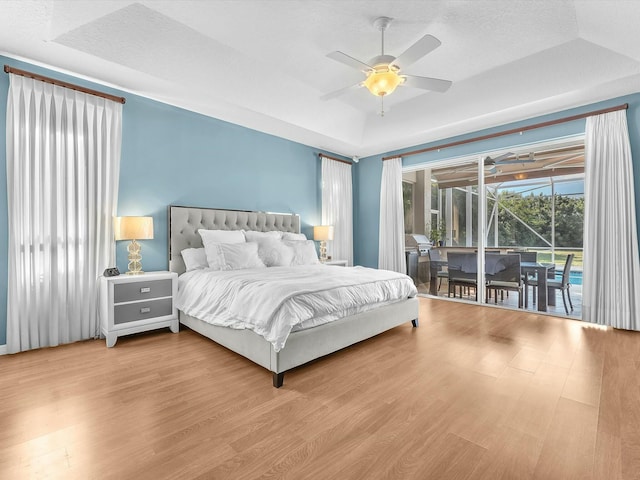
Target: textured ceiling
{"points": [[263, 64]]}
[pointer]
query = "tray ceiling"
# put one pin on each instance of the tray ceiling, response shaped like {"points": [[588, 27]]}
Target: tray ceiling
{"points": [[263, 65]]}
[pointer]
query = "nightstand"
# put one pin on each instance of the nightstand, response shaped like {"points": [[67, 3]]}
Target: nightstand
{"points": [[137, 303], [340, 263]]}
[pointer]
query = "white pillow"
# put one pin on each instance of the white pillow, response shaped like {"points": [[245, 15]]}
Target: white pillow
{"points": [[221, 236], [215, 256], [274, 253], [233, 256], [304, 252], [253, 236], [194, 258], [300, 237]]}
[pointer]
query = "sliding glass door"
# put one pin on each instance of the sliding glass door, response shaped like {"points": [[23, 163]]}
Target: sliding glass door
{"points": [[528, 204]]}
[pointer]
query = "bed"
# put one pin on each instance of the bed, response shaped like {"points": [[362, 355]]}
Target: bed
{"points": [[302, 346]]}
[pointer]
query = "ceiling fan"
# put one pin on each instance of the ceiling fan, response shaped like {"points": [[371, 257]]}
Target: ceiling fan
{"points": [[383, 72], [491, 164]]}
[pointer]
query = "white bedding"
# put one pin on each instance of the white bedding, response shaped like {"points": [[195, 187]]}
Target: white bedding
{"points": [[273, 301]]}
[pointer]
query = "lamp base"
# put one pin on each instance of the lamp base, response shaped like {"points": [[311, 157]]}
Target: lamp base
{"points": [[323, 251], [135, 258]]}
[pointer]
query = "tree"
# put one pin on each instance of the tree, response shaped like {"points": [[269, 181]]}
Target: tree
{"points": [[535, 211]]}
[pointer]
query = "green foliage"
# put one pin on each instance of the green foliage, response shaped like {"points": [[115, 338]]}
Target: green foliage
{"points": [[407, 197], [535, 210], [437, 232], [443, 229]]}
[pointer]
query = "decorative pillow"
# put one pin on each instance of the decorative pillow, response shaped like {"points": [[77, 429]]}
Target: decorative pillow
{"points": [[253, 236], [274, 253], [194, 258], [299, 237], [233, 256], [221, 236], [304, 252], [215, 256]]}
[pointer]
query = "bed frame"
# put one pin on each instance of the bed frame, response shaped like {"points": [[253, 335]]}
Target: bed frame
{"points": [[302, 346]]}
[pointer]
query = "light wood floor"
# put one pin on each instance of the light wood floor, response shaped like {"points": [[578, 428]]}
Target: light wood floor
{"points": [[474, 392]]}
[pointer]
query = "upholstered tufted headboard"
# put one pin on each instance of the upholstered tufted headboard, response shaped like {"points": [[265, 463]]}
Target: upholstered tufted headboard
{"points": [[184, 223]]}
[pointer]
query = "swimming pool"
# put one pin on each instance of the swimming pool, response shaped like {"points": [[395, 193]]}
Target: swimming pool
{"points": [[575, 277]]}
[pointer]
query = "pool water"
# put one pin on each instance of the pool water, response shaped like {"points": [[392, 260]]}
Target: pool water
{"points": [[575, 277]]}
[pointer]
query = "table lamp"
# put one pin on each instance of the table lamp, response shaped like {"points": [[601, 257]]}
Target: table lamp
{"points": [[323, 233], [134, 229]]}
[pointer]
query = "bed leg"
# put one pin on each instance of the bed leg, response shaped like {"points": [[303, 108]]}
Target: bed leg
{"points": [[278, 379], [414, 322]]}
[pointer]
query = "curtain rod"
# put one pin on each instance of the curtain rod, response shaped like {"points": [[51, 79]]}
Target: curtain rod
{"points": [[334, 158], [511, 131], [60, 83]]}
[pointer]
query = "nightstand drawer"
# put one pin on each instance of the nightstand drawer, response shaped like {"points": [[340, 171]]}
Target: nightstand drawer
{"points": [[132, 291], [131, 312]]}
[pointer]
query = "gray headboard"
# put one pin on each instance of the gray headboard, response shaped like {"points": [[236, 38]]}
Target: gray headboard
{"points": [[184, 223]]}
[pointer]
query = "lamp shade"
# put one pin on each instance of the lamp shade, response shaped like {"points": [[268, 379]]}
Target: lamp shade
{"points": [[323, 232], [133, 228]]}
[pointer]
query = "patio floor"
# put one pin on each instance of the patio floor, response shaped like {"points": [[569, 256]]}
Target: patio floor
{"points": [[512, 300]]}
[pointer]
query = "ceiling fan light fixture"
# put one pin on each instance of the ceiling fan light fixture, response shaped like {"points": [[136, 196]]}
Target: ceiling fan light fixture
{"points": [[383, 81]]}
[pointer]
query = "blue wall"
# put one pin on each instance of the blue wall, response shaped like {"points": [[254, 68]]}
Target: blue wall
{"points": [[174, 156], [369, 170]]}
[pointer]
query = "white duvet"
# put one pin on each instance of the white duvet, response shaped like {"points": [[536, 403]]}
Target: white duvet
{"points": [[273, 301]]}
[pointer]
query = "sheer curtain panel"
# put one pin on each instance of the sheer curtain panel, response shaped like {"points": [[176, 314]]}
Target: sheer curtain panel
{"points": [[611, 285], [63, 157], [337, 208], [391, 238]]}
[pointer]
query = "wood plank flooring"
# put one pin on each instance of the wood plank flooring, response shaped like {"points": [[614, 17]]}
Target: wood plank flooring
{"points": [[474, 392]]}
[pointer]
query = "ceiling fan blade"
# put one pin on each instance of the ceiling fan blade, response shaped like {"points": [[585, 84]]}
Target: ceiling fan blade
{"points": [[503, 157], [427, 83], [514, 162], [488, 164], [530, 159], [415, 52], [500, 159], [563, 160], [337, 93], [349, 61]]}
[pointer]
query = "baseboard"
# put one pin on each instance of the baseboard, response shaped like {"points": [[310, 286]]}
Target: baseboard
{"points": [[3, 349]]}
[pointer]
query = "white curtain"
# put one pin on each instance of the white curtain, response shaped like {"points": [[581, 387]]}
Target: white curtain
{"points": [[391, 240], [337, 208], [63, 157], [611, 289]]}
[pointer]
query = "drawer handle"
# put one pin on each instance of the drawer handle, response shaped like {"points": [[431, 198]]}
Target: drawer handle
{"points": [[145, 310], [145, 289]]}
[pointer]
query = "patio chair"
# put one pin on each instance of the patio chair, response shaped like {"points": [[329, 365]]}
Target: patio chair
{"points": [[528, 256], [562, 284], [503, 274], [436, 256], [462, 272]]}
